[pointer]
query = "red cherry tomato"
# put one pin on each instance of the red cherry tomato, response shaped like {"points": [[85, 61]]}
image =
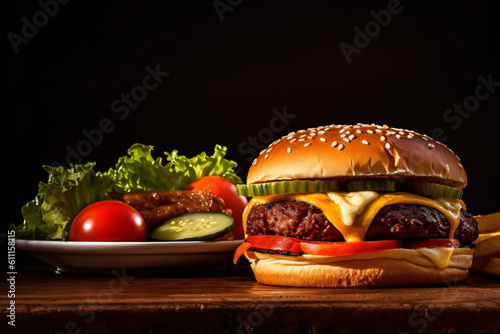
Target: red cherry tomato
{"points": [[347, 248], [108, 221], [431, 243], [226, 190]]}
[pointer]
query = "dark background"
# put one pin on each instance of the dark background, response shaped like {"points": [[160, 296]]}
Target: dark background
{"points": [[227, 76]]}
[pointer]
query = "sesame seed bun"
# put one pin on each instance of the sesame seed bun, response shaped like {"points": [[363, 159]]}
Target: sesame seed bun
{"points": [[357, 151]]}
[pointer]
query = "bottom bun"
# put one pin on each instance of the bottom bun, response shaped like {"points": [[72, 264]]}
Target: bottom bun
{"points": [[393, 267]]}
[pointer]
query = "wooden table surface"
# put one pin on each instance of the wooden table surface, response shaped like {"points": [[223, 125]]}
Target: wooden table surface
{"points": [[231, 301]]}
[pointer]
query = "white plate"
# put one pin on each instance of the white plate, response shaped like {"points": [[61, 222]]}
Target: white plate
{"points": [[138, 257]]}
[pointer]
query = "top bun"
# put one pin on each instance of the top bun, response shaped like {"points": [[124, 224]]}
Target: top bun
{"points": [[356, 152]]}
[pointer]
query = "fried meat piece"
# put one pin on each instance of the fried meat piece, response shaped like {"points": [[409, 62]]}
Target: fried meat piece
{"points": [[158, 206]]}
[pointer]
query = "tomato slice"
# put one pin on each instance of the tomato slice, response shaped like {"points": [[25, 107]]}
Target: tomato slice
{"points": [[299, 246], [347, 248], [240, 251], [275, 243], [268, 242], [431, 243]]}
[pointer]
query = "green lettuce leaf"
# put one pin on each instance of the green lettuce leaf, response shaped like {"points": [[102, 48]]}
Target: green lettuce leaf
{"points": [[140, 171], [60, 199], [203, 165]]}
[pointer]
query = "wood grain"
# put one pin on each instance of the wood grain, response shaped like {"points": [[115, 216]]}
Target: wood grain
{"points": [[231, 301]]}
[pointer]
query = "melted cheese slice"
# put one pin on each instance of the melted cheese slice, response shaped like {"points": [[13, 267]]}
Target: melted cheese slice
{"points": [[352, 212], [440, 256]]}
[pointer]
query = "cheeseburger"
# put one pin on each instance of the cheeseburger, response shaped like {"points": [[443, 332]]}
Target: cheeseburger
{"points": [[356, 206]]}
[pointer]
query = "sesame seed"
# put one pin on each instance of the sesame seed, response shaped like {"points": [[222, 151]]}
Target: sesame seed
{"points": [[321, 132], [431, 146], [342, 131], [289, 150], [387, 145], [341, 147], [346, 140], [359, 131], [323, 139], [351, 137], [309, 137], [342, 135], [410, 136], [398, 136], [254, 162], [302, 136], [424, 138], [378, 130], [294, 139], [334, 144], [365, 142], [369, 131], [267, 156], [301, 139], [307, 144], [382, 138]]}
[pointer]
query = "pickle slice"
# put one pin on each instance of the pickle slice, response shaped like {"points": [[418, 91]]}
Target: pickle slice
{"points": [[371, 184], [198, 226], [432, 189], [287, 187], [380, 185]]}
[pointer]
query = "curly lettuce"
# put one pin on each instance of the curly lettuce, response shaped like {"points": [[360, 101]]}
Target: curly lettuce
{"points": [[140, 171], [49, 215], [59, 200]]}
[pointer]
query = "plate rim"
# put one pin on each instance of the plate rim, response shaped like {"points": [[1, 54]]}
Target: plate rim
{"points": [[127, 247]]}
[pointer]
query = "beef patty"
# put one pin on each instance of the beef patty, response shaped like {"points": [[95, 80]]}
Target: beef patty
{"points": [[302, 220]]}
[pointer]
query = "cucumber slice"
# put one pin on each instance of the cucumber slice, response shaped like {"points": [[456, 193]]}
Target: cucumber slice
{"points": [[432, 189], [200, 226], [287, 187], [371, 184]]}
